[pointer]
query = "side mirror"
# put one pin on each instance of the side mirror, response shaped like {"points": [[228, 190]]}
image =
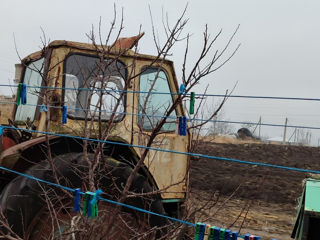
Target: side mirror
{"points": [[18, 73]]}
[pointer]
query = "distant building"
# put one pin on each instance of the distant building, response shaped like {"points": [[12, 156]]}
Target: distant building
{"points": [[6, 108]]}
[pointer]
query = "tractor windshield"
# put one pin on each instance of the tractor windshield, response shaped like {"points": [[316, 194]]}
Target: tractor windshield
{"points": [[33, 79], [94, 86]]}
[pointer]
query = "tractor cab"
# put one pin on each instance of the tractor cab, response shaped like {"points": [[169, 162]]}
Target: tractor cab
{"points": [[96, 85]]}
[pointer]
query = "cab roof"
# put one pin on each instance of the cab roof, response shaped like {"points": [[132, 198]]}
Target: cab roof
{"points": [[114, 50]]}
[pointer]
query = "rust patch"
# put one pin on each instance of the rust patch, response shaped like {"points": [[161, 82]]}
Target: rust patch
{"points": [[127, 42], [7, 143], [17, 149], [55, 101], [56, 84], [33, 56]]}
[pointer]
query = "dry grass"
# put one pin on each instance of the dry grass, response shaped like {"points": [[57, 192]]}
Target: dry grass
{"points": [[230, 140]]}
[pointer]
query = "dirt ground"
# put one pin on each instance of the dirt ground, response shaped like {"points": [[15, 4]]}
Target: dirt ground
{"points": [[263, 200]]}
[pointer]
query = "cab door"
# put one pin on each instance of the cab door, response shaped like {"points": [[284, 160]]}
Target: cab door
{"points": [[157, 90]]}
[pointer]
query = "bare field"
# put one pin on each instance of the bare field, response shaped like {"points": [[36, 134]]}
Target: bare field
{"points": [[263, 200]]}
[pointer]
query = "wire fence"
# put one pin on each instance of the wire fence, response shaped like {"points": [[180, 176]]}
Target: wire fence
{"points": [[286, 168], [168, 93], [172, 117]]}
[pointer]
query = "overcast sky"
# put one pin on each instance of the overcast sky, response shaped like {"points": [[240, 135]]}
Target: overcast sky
{"points": [[279, 54]]}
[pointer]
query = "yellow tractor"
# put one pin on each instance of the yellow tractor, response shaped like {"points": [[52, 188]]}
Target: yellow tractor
{"points": [[62, 76]]}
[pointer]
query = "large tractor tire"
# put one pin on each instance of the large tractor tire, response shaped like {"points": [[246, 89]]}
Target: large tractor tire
{"points": [[36, 210]]}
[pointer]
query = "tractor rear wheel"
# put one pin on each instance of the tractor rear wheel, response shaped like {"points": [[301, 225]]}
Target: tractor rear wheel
{"points": [[36, 210]]}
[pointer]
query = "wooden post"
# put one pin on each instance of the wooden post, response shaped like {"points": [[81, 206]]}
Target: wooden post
{"points": [[285, 131], [214, 126], [260, 127], [309, 143]]}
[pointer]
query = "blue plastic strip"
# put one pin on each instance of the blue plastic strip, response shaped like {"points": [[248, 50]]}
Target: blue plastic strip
{"points": [[247, 236], [182, 126], [182, 88], [76, 202], [216, 233], [96, 197], [23, 94], [202, 231], [43, 108], [234, 236], [1, 130], [64, 114], [227, 235]]}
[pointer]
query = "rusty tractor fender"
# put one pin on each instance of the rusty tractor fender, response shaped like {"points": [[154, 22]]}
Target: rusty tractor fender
{"points": [[22, 156]]}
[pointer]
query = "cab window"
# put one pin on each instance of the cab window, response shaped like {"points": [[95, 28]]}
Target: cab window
{"points": [[152, 105], [33, 79], [99, 79]]}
